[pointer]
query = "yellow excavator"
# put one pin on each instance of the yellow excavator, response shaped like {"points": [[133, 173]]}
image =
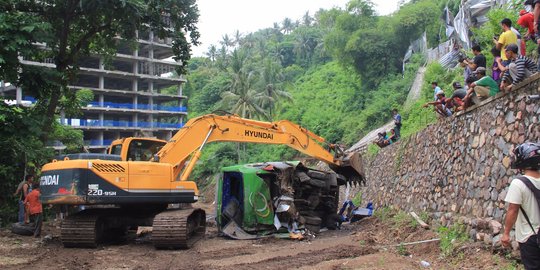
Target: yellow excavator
{"points": [[138, 181]]}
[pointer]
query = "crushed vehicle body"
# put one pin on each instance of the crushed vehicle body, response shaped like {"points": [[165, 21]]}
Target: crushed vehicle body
{"points": [[257, 200]]}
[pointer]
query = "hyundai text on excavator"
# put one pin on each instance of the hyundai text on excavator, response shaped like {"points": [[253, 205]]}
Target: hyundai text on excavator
{"points": [[134, 184]]}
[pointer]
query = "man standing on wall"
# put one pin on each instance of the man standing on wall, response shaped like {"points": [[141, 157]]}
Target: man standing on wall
{"points": [[507, 37], [479, 59], [536, 11], [397, 122], [523, 200]]}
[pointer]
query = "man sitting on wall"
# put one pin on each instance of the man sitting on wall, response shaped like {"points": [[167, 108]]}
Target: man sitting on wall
{"points": [[456, 100], [480, 88], [520, 68], [484, 86], [382, 140], [440, 105]]}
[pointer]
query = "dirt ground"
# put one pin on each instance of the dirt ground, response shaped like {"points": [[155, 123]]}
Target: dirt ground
{"points": [[363, 245]]}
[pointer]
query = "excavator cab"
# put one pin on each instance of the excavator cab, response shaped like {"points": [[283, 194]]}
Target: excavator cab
{"points": [[136, 149]]}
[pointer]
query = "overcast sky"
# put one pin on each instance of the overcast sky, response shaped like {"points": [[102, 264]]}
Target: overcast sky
{"points": [[218, 17]]}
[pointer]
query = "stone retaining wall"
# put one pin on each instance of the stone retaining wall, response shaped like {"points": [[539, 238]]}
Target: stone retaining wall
{"points": [[459, 166]]}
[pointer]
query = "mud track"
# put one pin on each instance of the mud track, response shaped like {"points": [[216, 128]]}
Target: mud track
{"points": [[356, 246]]}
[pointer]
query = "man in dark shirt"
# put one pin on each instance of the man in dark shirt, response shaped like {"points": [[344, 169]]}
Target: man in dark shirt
{"points": [[456, 100], [479, 59], [397, 122], [459, 91]]}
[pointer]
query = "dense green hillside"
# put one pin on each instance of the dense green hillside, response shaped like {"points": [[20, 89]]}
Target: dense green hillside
{"points": [[338, 73]]}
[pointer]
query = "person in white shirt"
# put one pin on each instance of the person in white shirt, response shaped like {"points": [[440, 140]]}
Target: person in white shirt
{"points": [[523, 200]]}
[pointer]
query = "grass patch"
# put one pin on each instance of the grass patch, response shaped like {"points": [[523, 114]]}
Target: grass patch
{"points": [[451, 238], [384, 213], [402, 219], [357, 199], [372, 152], [402, 250]]}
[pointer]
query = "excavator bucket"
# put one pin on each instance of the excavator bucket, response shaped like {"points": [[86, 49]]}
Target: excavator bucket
{"points": [[351, 168]]}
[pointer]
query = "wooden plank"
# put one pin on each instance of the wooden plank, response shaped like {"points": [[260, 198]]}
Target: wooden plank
{"points": [[421, 222]]}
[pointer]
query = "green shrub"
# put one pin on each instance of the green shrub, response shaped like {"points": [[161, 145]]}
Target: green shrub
{"points": [[357, 199], [451, 238]]}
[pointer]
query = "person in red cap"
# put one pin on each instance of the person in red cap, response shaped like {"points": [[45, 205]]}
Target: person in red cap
{"points": [[526, 20]]}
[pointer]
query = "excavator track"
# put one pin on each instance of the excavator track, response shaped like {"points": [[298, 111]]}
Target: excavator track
{"points": [[178, 229], [81, 231]]}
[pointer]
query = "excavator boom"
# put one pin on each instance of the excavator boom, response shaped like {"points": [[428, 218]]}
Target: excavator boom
{"points": [[189, 141]]}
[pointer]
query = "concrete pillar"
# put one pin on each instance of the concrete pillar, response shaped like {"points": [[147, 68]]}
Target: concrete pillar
{"points": [[135, 68], [101, 82], [101, 63], [151, 87], [180, 89], [62, 117], [135, 102], [152, 66], [100, 137], [135, 119], [101, 118], [134, 85], [101, 100], [18, 95]]}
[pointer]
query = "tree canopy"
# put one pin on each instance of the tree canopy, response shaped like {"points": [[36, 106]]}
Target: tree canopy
{"points": [[337, 72], [61, 32]]}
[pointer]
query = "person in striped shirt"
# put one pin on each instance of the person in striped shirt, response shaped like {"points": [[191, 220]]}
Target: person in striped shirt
{"points": [[520, 68]]}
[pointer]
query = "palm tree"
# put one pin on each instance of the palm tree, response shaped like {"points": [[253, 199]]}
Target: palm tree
{"points": [[249, 41], [287, 26], [222, 60], [273, 80], [212, 53], [306, 41], [306, 19], [241, 96], [238, 38], [226, 41]]}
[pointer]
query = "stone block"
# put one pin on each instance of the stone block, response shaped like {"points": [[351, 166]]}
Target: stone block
{"points": [[488, 239], [495, 227], [496, 241], [510, 118], [472, 234], [480, 236], [519, 115]]}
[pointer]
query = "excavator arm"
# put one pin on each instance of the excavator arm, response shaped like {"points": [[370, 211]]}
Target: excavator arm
{"points": [[190, 140]]}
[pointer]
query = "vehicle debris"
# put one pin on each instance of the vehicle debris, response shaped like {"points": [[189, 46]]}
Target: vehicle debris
{"points": [[284, 199]]}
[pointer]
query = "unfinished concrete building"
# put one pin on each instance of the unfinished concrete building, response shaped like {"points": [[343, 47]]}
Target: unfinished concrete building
{"points": [[135, 93]]}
